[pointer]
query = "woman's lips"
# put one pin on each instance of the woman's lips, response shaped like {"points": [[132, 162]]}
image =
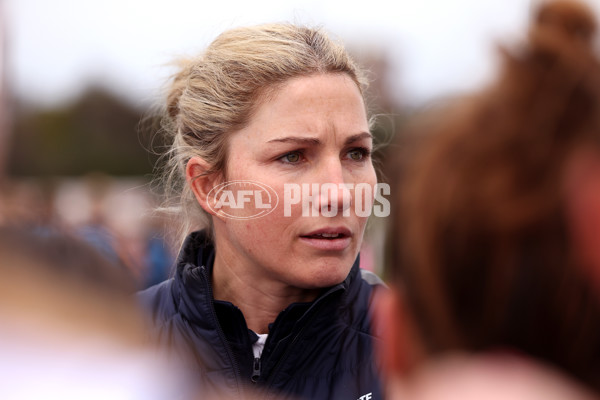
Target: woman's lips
{"points": [[337, 244], [329, 239]]}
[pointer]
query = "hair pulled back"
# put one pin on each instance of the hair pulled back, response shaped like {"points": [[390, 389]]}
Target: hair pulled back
{"points": [[215, 94], [486, 256]]}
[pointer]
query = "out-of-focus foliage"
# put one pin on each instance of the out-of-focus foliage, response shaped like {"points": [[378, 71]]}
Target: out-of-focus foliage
{"points": [[96, 133]]}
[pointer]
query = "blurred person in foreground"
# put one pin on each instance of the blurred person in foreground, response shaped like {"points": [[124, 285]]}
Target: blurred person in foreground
{"points": [[274, 301], [495, 239], [69, 326]]}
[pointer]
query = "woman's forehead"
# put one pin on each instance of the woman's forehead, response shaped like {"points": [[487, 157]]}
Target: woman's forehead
{"points": [[310, 107]]}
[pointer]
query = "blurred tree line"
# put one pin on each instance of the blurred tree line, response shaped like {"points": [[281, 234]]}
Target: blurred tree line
{"points": [[101, 132], [98, 132]]}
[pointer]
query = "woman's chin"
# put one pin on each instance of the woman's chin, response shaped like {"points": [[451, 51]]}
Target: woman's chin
{"points": [[328, 276]]}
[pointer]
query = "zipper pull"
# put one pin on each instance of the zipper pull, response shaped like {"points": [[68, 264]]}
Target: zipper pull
{"points": [[255, 370]]}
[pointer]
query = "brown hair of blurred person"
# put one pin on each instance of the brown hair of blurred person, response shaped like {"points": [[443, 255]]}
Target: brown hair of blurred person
{"points": [[484, 248]]}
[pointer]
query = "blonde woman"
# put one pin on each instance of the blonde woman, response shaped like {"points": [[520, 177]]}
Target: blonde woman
{"points": [[269, 294]]}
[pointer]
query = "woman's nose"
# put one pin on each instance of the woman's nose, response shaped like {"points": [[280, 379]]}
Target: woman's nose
{"points": [[334, 192]]}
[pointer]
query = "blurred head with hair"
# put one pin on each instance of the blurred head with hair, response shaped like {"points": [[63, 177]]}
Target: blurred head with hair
{"points": [[70, 327], [496, 231]]}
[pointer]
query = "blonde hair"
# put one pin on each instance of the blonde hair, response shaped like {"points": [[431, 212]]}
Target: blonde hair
{"points": [[216, 93]]}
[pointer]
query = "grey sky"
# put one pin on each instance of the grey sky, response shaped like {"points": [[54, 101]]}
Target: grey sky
{"points": [[437, 46]]}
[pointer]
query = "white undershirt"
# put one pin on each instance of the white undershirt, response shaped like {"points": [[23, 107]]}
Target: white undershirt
{"points": [[259, 345]]}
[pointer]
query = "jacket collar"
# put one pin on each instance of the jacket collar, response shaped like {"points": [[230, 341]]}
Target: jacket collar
{"points": [[192, 288]]}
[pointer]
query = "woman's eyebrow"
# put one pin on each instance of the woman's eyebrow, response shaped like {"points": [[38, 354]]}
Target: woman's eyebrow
{"points": [[297, 139], [357, 137], [316, 141]]}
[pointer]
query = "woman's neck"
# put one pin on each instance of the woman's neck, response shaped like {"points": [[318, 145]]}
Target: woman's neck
{"points": [[260, 300]]}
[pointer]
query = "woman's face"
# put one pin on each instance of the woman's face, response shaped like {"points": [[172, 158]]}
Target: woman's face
{"points": [[311, 130]]}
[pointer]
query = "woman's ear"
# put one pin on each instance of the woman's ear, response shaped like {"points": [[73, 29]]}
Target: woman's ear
{"points": [[201, 182], [398, 350]]}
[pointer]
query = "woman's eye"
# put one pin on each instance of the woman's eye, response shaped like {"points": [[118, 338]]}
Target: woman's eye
{"points": [[290, 158], [358, 154]]}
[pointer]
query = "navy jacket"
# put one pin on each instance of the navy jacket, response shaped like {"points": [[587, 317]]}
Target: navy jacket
{"points": [[318, 350]]}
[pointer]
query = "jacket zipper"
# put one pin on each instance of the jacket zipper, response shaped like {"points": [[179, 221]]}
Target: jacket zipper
{"points": [[300, 334], [255, 370]]}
